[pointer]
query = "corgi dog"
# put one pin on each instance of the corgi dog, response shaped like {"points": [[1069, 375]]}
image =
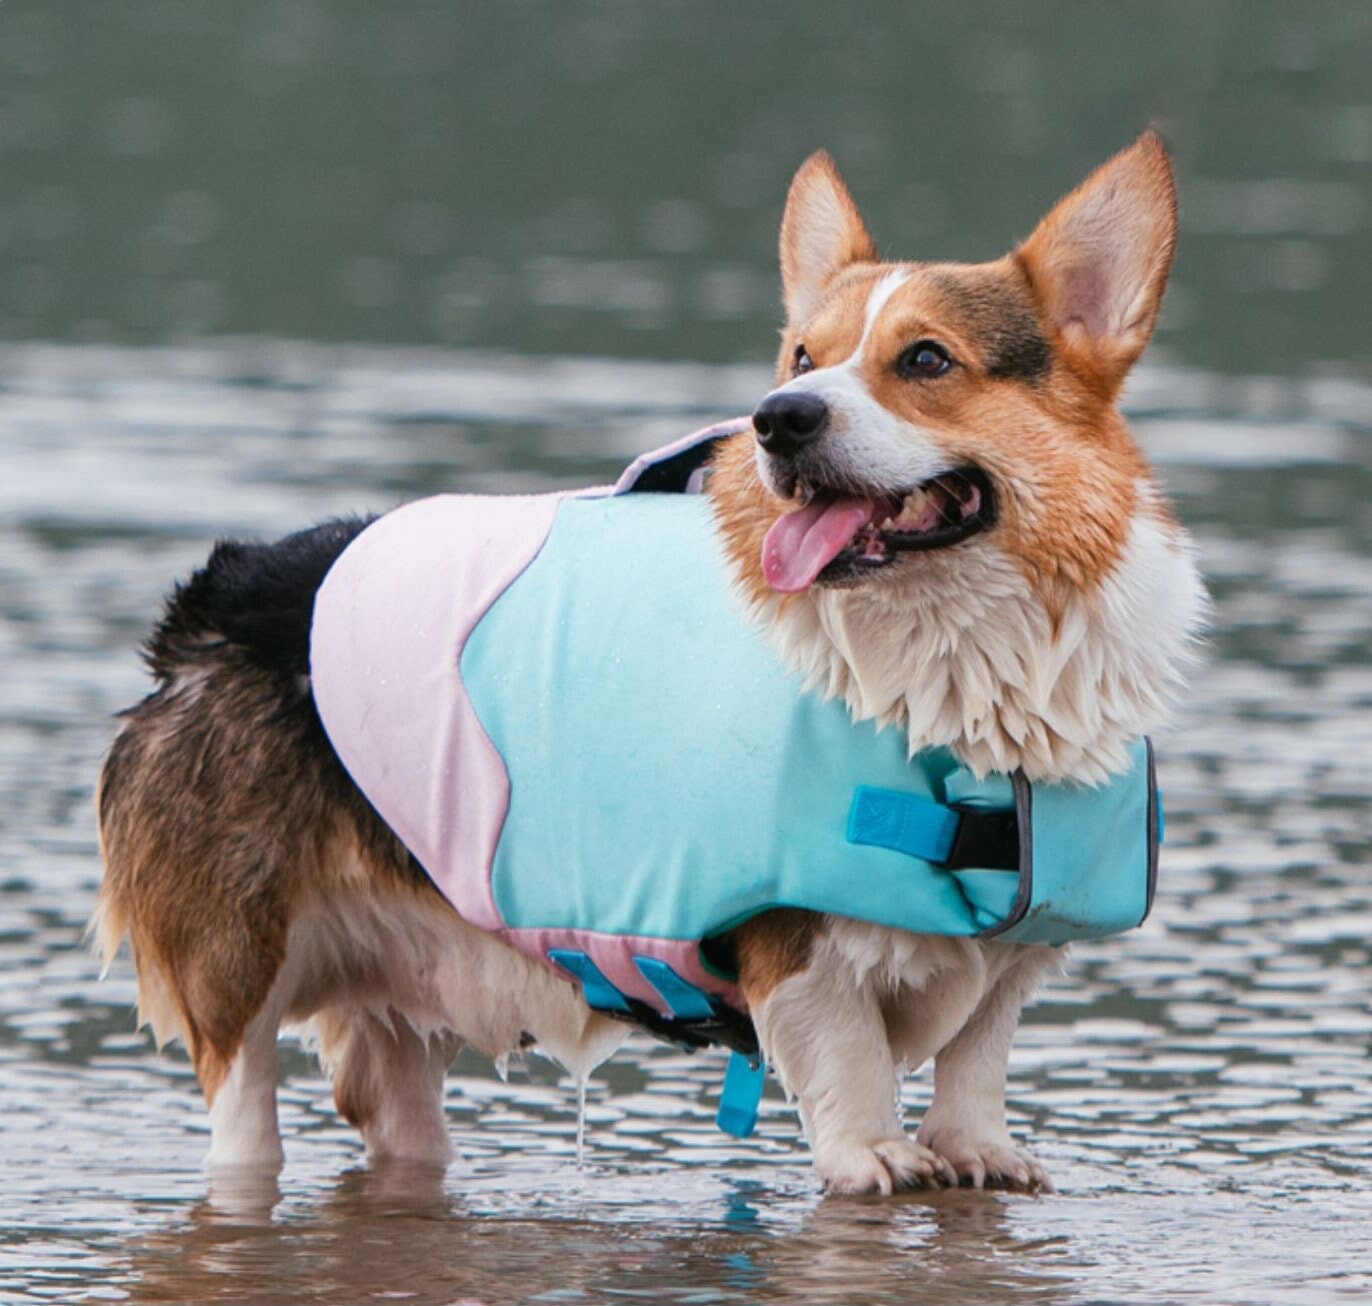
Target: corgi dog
{"points": [[938, 517]]}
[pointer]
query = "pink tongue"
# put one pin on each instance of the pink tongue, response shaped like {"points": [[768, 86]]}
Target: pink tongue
{"points": [[802, 543]]}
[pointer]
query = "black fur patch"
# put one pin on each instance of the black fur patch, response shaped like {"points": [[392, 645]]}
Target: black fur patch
{"points": [[1002, 319], [257, 597]]}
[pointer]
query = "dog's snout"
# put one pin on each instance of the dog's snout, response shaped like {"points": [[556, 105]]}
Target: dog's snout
{"points": [[786, 421]]}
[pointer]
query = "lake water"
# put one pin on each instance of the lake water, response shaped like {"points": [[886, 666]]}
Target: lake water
{"points": [[1201, 1089], [546, 197]]}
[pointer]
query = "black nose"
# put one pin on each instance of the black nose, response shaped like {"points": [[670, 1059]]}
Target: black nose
{"points": [[786, 421]]}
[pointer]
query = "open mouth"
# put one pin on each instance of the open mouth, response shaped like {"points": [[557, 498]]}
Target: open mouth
{"points": [[841, 539]]}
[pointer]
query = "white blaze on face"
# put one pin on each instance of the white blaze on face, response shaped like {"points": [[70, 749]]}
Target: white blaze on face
{"points": [[876, 301], [867, 444], [864, 446]]}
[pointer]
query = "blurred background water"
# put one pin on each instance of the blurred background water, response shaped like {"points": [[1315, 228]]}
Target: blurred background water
{"points": [[261, 262]]}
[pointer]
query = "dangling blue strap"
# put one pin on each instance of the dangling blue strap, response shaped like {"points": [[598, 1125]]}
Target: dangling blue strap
{"points": [[905, 823], [738, 1100], [684, 1001], [595, 988]]}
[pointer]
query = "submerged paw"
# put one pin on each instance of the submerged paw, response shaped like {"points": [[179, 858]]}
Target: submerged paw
{"points": [[992, 1163], [884, 1167]]}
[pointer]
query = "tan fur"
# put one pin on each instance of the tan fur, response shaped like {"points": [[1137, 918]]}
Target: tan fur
{"points": [[359, 1047], [1104, 309], [745, 510], [210, 853], [771, 947], [833, 237]]}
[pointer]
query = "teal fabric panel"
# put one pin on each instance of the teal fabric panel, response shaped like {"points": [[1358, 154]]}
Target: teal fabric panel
{"points": [[1090, 850], [668, 778], [991, 894], [992, 791]]}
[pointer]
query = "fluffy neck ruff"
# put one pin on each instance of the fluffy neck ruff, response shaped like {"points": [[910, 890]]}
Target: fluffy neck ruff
{"points": [[967, 656]]}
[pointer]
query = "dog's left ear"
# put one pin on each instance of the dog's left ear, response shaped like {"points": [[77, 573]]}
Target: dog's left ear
{"points": [[821, 233], [1099, 261]]}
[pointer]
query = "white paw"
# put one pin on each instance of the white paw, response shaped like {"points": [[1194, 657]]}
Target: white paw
{"points": [[988, 1162], [883, 1167]]}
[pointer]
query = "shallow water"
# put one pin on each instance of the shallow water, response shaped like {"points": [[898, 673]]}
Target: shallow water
{"points": [[1201, 1089]]}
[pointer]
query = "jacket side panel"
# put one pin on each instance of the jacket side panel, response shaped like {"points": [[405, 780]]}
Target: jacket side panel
{"points": [[669, 776], [390, 622]]}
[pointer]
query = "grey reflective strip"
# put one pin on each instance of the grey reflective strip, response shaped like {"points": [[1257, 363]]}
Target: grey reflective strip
{"points": [[1154, 845], [1024, 892]]}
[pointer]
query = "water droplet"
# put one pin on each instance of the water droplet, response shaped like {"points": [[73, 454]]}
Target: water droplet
{"points": [[580, 1122]]}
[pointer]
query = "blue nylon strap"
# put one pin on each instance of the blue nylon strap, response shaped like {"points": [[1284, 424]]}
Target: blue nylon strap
{"points": [[738, 1101], [684, 1001], [595, 988], [905, 823]]}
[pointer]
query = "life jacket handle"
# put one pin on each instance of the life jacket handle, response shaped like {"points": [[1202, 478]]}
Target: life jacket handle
{"points": [[954, 836]]}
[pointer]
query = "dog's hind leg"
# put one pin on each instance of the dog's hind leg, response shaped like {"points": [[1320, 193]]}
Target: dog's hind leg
{"points": [[388, 1082], [200, 881], [243, 1124]]}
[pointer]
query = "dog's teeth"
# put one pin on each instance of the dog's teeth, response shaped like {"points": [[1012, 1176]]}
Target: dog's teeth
{"points": [[914, 512], [869, 543]]}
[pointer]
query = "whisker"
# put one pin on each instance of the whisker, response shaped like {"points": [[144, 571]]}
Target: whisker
{"points": [[950, 516]]}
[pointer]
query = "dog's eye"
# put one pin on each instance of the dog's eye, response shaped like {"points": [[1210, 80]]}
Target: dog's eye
{"points": [[800, 362], [924, 359]]}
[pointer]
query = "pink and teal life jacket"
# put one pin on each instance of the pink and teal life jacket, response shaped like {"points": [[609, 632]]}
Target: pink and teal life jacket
{"points": [[561, 707]]}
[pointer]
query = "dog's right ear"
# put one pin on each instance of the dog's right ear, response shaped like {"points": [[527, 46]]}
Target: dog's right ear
{"points": [[821, 233]]}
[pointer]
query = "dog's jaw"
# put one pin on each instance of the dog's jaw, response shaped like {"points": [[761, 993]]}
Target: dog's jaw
{"points": [[966, 655]]}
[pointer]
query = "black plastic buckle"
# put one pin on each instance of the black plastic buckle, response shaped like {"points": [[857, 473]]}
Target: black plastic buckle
{"points": [[730, 1028], [985, 840]]}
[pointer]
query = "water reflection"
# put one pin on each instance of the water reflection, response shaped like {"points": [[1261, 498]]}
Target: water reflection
{"points": [[1201, 1090], [381, 1234]]}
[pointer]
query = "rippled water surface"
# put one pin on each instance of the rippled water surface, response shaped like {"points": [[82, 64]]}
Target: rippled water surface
{"points": [[1201, 1088]]}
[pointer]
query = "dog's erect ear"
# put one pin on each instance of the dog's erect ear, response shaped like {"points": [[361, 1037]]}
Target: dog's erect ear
{"points": [[1099, 261], [821, 233]]}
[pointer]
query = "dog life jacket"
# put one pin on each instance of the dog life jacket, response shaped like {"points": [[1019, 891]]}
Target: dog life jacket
{"points": [[559, 705]]}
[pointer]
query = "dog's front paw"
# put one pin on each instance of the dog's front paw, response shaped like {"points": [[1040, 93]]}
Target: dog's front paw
{"points": [[988, 1162], [883, 1167]]}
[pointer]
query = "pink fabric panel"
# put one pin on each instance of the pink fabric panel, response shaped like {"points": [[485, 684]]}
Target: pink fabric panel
{"points": [[613, 955], [390, 622]]}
